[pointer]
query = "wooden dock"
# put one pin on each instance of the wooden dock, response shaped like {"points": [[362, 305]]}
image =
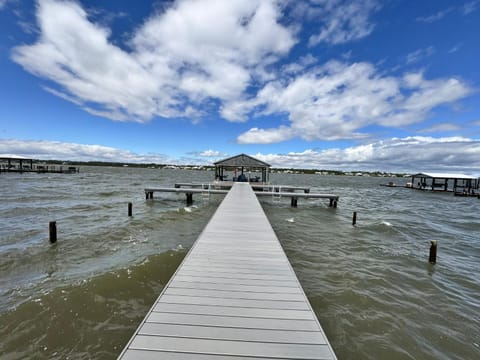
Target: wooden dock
{"points": [[235, 296], [276, 192]]}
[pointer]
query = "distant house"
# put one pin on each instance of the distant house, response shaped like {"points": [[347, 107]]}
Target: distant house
{"points": [[458, 183], [243, 168]]}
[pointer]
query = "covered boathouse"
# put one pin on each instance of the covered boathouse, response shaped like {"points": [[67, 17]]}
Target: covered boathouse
{"points": [[243, 168], [456, 183]]}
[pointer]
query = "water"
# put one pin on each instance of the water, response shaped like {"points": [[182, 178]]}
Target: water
{"points": [[371, 285]]}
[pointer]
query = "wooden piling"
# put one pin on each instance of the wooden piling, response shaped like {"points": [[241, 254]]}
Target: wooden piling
{"points": [[331, 203], [189, 197], [53, 231], [293, 202], [354, 219], [433, 252], [130, 206]]}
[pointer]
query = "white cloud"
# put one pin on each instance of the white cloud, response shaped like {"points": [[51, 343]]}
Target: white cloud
{"points": [[195, 58], [443, 127], [211, 153], [411, 154], [419, 54], [439, 15], [194, 52], [343, 21], [56, 150], [470, 7], [336, 101]]}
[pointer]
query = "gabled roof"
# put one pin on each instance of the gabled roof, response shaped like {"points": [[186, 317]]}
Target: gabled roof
{"points": [[242, 160], [445, 176]]}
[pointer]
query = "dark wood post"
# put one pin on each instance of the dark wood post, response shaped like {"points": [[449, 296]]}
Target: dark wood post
{"points": [[130, 209], [53, 231], [331, 203], [354, 220], [189, 198], [334, 204], [433, 252], [293, 202]]}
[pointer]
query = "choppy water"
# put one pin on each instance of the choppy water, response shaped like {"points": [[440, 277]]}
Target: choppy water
{"points": [[370, 285]]}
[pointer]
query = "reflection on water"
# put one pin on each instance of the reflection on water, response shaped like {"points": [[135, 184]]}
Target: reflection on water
{"points": [[371, 284]]}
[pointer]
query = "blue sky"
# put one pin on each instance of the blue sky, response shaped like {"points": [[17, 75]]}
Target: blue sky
{"points": [[366, 85]]}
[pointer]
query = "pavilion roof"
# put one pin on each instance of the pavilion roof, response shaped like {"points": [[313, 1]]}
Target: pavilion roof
{"points": [[242, 160]]}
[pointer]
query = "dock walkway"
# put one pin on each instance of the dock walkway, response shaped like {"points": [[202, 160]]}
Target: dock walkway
{"points": [[235, 296]]}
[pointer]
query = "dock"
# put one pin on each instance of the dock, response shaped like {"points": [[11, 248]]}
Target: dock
{"points": [[235, 296], [276, 192]]}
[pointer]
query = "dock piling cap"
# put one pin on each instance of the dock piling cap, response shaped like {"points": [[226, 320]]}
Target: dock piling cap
{"points": [[433, 242]]}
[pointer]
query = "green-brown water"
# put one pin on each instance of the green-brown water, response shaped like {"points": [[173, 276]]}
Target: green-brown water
{"points": [[370, 285]]}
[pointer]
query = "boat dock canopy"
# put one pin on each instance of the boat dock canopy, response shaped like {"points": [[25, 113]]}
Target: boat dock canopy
{"points": [[445, 182], [242, 163]]}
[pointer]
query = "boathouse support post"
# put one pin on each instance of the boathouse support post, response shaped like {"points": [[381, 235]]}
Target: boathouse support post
{"points": [[130, 206], [354, 219], [293, 202], [331, 203], [432, 259], [52, 227], [189, 197]]}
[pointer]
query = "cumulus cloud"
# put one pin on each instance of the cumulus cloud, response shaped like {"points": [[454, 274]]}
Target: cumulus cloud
{"points": [[343, 21], [202, 58], [194, 52], [56, 150], [337, 100], [410, 154]]}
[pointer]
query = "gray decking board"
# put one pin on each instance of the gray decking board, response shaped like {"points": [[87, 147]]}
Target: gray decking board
{"points": [[235, 296]]}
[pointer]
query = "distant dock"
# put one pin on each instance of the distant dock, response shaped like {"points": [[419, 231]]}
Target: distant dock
{"points": [[17, 164], [235, 295]]}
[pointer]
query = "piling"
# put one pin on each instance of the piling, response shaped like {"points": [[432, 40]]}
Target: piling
{"points": [[433, 252], [293, 202], [189, 198], [53, 231], [130, 206], [354, 219]]}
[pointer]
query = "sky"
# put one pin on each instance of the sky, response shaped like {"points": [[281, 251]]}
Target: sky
{"points": [[368, 85]]}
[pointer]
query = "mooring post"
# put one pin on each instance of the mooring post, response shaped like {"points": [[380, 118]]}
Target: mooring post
{"points": [[293, 202], [331, 203], [189, 198], [52, 226], [433, 252], [354, 219], [130, 209], [146, 195], [334, 204]]}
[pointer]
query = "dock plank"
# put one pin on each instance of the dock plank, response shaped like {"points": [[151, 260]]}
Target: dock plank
{"points": [[235, 296]]}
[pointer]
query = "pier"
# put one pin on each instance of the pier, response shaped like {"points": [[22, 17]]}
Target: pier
{"points": [[18, 164], [276, 192], [234, 296]]}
